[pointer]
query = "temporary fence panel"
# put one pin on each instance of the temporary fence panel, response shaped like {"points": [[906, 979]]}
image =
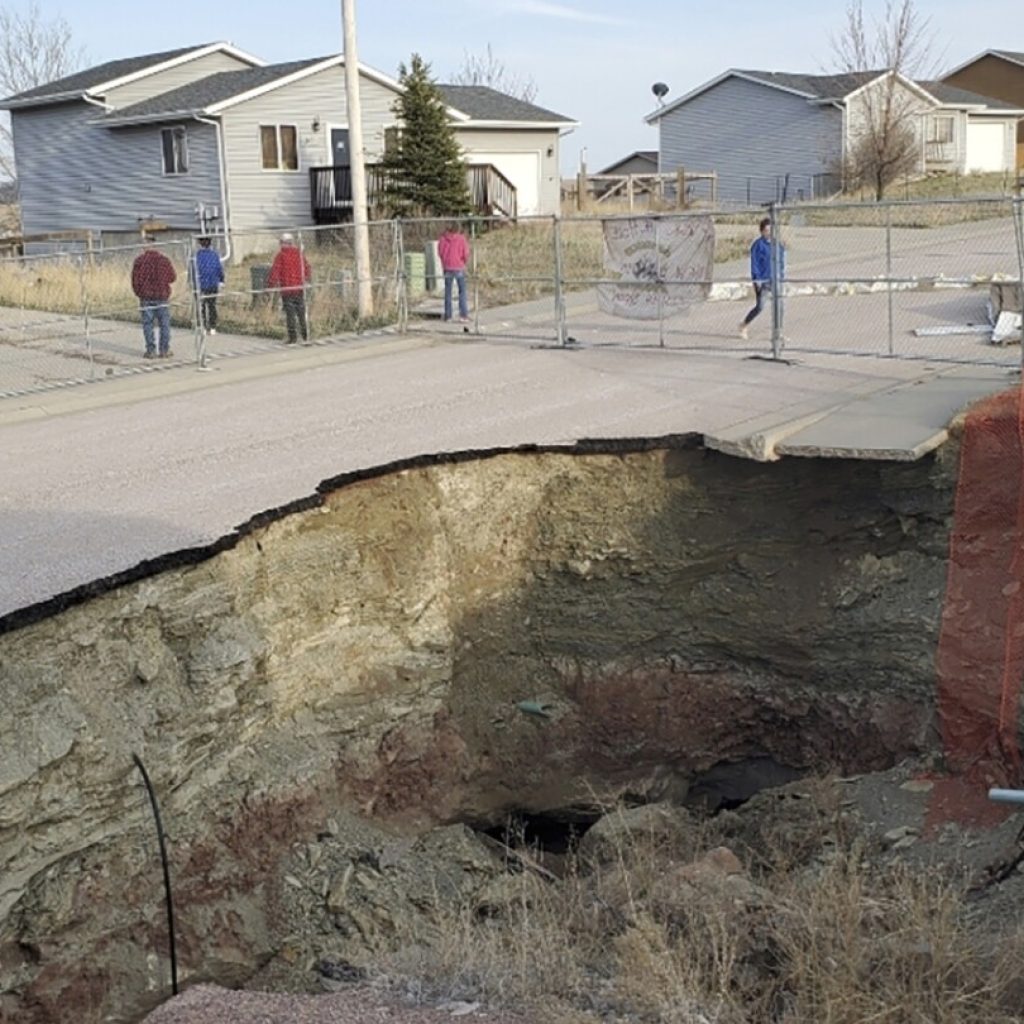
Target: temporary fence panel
{"points": [[69, 318], [909, 280], [904, 280]]}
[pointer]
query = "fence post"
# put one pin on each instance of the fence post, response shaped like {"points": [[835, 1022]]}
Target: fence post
{"points": [[661, 283], [84, 290], [401, 281], [773, 213], [1018, 225], [198, 322], [888, 275], [476, 278], [306, 289], [560, 332]]}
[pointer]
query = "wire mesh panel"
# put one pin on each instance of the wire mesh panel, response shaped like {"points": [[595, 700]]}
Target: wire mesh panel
{"points": [[139, 303], [71, 317], [672, 280], [503, 270], [896, 279]]}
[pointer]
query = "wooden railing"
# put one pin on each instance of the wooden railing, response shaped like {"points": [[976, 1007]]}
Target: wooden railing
{"points": [[330, 191], [491, 192]]}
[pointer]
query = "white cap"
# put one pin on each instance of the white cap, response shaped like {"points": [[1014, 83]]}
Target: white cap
{"points": [[286, 237]]}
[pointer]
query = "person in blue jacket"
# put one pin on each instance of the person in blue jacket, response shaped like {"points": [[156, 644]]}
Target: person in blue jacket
{"points": [[761, 271], [208, 273]]}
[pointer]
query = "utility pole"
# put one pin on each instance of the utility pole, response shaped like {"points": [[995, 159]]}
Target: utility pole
{"points": [[364, 282]]}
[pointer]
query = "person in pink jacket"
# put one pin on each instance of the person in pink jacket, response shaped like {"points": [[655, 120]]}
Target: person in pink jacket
{"points": [[453, 251]]}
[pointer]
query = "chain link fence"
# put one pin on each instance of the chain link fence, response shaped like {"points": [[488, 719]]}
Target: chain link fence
{"points": [[937, 280]]}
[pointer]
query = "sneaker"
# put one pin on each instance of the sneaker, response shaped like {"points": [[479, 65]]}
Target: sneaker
{"points": [[463, 319], [744, 333], [167, 355], [212, 330], [149, 354]]}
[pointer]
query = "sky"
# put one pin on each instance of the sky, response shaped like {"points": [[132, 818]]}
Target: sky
{"points": [[592, 60]]}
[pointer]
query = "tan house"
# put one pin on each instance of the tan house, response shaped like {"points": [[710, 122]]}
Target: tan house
{"points": [[999, 74]]}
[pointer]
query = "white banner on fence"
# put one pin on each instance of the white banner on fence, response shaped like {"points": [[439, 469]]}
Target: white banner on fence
{"points": [[647, 257]]}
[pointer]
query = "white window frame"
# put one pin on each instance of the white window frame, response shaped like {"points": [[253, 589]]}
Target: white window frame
{"points": [[280, 149], [174, 130], [933, 123]]}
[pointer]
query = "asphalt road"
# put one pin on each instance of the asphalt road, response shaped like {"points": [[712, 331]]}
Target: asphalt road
{"points": [[98, 478]]}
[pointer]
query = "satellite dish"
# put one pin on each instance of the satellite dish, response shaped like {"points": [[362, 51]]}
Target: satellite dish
{"points": [[660, 89]]}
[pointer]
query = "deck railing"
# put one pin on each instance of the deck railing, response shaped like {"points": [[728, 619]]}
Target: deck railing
{"points": [[330, 190]]}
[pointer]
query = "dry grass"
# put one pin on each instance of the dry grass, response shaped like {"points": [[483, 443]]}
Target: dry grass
{"points": [[834, 938], [101, 287]]}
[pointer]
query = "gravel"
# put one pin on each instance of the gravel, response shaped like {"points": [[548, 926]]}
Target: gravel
{"points": [[210, 1004]]}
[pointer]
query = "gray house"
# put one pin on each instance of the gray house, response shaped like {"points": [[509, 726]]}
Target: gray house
{"points": [[777, 135], [211, 138], [640, 161]]}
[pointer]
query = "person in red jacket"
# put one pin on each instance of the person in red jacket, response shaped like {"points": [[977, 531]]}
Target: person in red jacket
{"points": [[288, 274], [152, 277]]}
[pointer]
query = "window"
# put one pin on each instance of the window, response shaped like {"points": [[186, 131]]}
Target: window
{"points": [[940, 129], [279, 145], [175, 149], [391, 138]]}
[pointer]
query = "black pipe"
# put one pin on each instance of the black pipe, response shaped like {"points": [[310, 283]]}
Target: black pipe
{"points": [[167, 871]]}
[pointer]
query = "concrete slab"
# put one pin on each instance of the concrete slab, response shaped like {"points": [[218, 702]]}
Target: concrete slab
{"points": [[902, 423]]}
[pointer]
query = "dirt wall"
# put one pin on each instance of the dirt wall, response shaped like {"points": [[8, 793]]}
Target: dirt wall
{"points": [[439, 643]]}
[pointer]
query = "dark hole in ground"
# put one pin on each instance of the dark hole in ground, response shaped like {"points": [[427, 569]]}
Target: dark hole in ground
{"points": [[729, 785], [554, 832]]}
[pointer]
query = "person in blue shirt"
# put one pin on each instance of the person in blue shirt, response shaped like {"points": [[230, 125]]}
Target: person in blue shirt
{"points": [[761, 271], [208, 274]]}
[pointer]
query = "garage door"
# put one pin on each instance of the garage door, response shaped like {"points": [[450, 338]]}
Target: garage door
{"points": [[986, 147], [523, 170]]}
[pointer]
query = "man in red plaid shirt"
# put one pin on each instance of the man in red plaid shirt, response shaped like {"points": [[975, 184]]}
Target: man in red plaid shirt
{"points": [[152, 277]]}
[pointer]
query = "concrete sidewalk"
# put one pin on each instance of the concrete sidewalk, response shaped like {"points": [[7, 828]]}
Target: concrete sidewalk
{"points": [[100, 477]]}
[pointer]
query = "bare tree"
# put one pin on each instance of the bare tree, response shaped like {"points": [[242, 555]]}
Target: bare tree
{"points": [[33, 50], [885, 118], [487, 69]]}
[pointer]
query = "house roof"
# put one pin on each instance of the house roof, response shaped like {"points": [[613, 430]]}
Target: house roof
{"points": [[96, 80], [650, 155], [200, 96], [953, 96], [481, 103], [820, 87], [214, 93], [838, 88], [1013, 56]]}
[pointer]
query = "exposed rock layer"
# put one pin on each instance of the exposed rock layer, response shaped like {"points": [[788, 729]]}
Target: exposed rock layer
{"points": [[443, 643]]}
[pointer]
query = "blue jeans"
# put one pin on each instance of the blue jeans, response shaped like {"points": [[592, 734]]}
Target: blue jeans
{"points": [[451, 276], [761, 289], [155, 310]]}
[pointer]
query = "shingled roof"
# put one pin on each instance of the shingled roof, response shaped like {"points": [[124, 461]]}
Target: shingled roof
{"points": [[82, 82], [482, 103], [198, 96], [822, 87], [955, 96]]}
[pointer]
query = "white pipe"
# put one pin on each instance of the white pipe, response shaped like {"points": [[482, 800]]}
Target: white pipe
{"points": [[222, 164], [1007, 796]]}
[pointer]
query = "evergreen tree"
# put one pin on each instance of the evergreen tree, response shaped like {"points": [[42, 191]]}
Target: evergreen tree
{"points": [[425, 173]]}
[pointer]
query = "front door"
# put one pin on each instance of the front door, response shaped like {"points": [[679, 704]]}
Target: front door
{"points": [[341, 162]]}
